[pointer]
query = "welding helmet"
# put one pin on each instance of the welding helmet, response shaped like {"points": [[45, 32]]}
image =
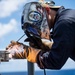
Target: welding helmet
{"points": [[34, 20]]}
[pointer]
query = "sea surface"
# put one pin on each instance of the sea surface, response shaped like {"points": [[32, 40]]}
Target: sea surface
{"points": [[58, 72], [20, 67]]}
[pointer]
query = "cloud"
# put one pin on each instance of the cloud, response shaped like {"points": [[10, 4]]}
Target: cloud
{"points": [[7, 28], [7, 7]]}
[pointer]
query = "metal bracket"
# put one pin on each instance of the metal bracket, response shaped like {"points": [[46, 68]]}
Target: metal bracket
{"points": [[4, 56]]}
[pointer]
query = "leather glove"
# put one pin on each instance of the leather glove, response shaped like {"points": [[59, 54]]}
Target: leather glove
{"points": [[45, 45], [20, 51], [41, 42], [15, 48]]}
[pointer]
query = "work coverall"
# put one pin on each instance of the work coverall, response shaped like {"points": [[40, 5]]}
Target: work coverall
{"points": [[64, 41]]}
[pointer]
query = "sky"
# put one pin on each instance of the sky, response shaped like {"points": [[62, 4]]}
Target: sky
{"points": [[10, 19], [10, 22]]}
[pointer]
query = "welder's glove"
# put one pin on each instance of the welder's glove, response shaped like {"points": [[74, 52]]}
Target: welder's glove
{"points": [[20, 51], [45, 45]]}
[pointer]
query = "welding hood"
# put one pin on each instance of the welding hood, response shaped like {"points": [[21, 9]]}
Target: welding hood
{"points": [[34, 20]]}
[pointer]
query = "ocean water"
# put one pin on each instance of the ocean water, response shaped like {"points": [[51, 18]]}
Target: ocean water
{"points": [[19, 67], [56, 72]]}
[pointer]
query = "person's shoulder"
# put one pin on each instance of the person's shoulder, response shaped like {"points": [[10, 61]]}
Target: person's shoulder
{"points": [[66, 14]]}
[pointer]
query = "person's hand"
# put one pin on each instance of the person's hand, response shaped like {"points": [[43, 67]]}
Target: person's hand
{"points": [[12, 44], [20, 51], [14, 48], [47, 43]]}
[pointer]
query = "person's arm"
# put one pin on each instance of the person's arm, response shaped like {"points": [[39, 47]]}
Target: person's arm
{"points": [[63, 39], [19, 50]]}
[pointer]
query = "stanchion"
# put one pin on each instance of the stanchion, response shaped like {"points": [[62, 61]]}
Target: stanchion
{"points": [[30, 68]]}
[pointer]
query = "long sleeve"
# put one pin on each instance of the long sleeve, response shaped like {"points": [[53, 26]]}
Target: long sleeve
{"points": [[62, 47]]}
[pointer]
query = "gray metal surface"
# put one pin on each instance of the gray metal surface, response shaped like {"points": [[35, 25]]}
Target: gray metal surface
{"points": [[30, 68]]}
